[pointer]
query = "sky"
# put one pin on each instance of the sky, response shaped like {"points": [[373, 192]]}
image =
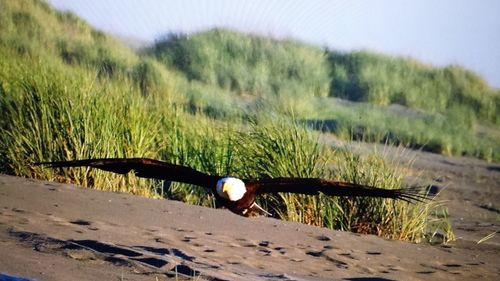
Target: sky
{"points": [[437, 32]]}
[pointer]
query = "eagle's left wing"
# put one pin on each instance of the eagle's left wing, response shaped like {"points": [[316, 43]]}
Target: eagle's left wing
{"points": [[315, 186]]}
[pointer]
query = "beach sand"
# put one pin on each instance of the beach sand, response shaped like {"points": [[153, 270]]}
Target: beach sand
{"points": [[52, 231]]}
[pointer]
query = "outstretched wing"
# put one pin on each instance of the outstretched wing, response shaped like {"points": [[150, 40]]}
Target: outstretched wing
{"points": [[314, 186], [143, 167]]}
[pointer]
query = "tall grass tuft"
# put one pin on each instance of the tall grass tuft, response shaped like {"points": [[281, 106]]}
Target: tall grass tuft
{"points": [[48, 119], [385, 217], [277, 147], [201, 144]]}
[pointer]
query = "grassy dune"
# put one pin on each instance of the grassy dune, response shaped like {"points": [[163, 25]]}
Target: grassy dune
{"points": [[459, 112]]}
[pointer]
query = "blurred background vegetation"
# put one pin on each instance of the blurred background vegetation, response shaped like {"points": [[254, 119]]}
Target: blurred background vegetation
{"points": [[232, 103]]}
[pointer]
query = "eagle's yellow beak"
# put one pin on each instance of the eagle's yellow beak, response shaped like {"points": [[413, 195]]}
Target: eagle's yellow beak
{"points": [[225, 187]]}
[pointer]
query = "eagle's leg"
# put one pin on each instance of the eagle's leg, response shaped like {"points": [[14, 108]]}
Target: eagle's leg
{"points": [[255, 211]]}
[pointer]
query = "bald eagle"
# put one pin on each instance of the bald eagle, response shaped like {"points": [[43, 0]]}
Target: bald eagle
{"points": [[233, 193]]}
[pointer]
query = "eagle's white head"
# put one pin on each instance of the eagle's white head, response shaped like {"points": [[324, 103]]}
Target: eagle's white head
{"points": [[231, 188]]}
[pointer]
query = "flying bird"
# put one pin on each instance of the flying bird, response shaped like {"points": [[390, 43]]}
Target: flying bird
{"points": [[236, 194]]}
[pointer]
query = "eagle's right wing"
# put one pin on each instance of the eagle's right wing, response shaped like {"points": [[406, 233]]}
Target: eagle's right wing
{"points": [[143, 167]]}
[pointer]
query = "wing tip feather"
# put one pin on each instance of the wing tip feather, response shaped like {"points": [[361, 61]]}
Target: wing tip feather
{"points": [[414, 194]]}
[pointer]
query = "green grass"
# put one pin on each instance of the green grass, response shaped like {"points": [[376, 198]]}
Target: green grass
{"points": [[383, 80], [387, 218], [406, 127], [234, 74], [85, 116], [246, 64], [280, 147], [60, 114], [236, 107]]}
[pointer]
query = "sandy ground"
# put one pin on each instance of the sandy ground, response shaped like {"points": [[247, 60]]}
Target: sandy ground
{"points": [[51, 231]]}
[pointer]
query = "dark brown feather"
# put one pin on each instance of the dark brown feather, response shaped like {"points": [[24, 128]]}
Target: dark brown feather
{"points": [[315, 186], [145, 168]]}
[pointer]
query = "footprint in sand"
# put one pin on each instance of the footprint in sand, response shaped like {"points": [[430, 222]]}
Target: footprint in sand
{"points": [[348, 255], [264, 243], [80, 222], [14, 218], [18, 210], [182, 230], [315, 254], [323, 238], [249, 245], [448, 268], [330, 256], [426, 272], [188, 238], [452, 265]]}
